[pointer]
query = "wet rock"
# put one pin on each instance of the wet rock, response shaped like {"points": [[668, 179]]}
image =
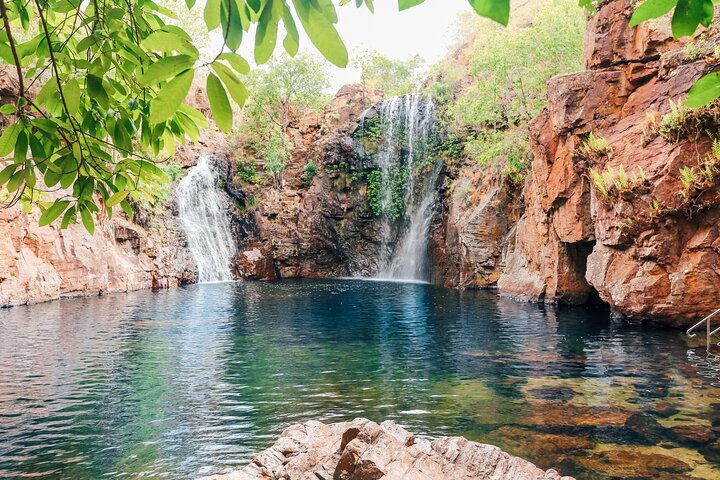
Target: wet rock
{"points": [[693, 434], [645, 428], [575, 416], [665, 409], [633, 464], [539, 447], [553, 393], [364, 450]]}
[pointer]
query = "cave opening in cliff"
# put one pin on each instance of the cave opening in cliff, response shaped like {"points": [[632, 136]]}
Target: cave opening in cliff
{"points": [[578, 253]]}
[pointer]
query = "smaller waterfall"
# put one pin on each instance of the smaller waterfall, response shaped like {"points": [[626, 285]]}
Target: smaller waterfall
{"points": [[204, 219], [405, 158]]}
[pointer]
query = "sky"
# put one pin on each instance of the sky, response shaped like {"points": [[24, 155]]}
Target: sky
{"points": [[426, 30]]}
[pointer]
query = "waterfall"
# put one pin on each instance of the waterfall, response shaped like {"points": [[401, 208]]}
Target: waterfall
{"points": [[204, 219], [409, 176]]}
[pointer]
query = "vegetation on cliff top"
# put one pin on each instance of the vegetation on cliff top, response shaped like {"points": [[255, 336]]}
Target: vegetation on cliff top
{"points": [[487, 101], [281, 92]]}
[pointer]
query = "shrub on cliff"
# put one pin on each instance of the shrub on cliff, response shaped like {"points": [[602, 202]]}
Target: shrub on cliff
{"points": [[496, 82], [281, 93]]}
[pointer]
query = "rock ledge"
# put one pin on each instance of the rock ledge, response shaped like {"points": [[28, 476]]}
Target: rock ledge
{"points": [[364, 450]]}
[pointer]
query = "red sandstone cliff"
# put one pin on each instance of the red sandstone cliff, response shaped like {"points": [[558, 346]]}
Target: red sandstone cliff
{"points": [[648, 252]]}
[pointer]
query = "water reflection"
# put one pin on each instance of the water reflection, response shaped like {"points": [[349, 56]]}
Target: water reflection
{"points": [[181, 383]]}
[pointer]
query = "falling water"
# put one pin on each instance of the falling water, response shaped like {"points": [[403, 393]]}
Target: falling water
{"points": [[205, 221], [408, 139]]}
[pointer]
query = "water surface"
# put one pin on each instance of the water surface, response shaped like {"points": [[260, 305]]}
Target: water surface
{"points": [[194, 381]]}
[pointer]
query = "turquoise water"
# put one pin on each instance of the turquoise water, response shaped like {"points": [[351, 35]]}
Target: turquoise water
{"points": [[194, 381]]}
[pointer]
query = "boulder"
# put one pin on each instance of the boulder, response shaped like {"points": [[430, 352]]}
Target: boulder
{"points": [[365, 450]]}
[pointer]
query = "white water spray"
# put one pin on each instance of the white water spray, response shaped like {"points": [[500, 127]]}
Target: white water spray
{"points": [[205, 220]]}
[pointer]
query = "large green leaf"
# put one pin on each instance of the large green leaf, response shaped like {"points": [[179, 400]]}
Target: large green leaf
{"points": [[212, 14], [8, 139], [168, 42], [219, 103], [689, 14], [322, 33], [405, 4], [164, 68], [292, 38], [116, 198], [171, 97], [704, 91], [236, 61], [53, 212], [236, 88], [497, 10], [87, 220], [71, 90], [267, 30], [651, 9]]}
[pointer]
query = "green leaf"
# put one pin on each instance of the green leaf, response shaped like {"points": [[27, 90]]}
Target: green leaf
{"points": [[8, 139], [704, 91], [71, 90], [116, 198], [97, 91], [497, 10], [292, 38], [87, 220], [322, 33], [689, 14], [46, 92], [8, 109], [219, 103], [651, 9], [171, 97], [236, 88], [121, 137], [53, 212], [165, 68], [212, 14], [266, 35], [405, 4], [236, 61], [69, 217], [6, 172], [168, 42]]}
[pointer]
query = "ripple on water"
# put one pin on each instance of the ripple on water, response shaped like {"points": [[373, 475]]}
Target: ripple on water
{"points": [[193, 381]]}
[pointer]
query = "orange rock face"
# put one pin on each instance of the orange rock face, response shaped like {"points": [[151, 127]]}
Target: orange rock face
{"points": [[46, 263], [645, 252]]}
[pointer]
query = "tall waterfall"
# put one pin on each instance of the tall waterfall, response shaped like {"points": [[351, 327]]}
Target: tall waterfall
{"points": [[204, 219], [409, 177]]}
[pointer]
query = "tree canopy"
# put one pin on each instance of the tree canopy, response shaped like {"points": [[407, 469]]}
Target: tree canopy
{"points": [[102, 84]]}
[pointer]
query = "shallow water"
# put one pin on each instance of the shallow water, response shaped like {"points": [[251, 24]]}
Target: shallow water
{"points": [[193, 381]]}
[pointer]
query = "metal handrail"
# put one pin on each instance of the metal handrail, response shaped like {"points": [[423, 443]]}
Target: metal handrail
{"points": [[706, 319]]}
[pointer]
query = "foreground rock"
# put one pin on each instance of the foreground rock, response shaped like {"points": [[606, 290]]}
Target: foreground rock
{"points": [[364, 450]]}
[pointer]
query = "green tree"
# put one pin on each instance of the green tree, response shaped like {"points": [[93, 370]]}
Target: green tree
{"points": [[391, 76], [280, 92]]}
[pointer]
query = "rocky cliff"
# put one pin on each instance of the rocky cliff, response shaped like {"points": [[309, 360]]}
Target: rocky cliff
{"points": [[319, 226], [629, 230]]}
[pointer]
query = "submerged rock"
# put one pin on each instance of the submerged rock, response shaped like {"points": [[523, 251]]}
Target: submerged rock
{"points": [[364, 450]]}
